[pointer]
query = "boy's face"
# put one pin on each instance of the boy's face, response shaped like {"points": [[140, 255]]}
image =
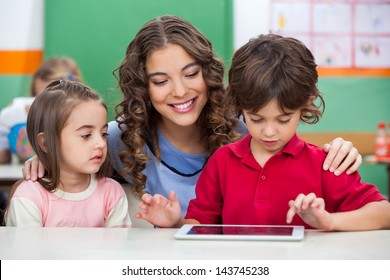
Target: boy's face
{"points": [[271, 129]]}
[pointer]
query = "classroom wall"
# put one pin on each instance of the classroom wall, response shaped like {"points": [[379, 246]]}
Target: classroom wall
{"points": [[96, 34], [21, 46]]}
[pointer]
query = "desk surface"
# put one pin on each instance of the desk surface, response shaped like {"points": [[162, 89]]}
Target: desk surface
{"points": [[141, 243]]}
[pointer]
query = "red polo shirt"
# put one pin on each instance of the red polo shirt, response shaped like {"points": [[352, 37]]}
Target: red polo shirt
{"points": [[234, 189]]}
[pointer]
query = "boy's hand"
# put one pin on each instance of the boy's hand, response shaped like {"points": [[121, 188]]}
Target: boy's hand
{"points": [[312, 211], [160, 211]]}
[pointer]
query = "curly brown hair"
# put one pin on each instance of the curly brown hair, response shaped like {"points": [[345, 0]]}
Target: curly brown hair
{"points": [[136, 116], [271, 66]]}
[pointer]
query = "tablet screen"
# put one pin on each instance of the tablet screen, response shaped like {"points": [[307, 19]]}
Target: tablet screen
{"points": [[235, 230]]}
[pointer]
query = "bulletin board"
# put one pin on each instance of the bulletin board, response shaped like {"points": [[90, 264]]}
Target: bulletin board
{"points": [[347, 38]]}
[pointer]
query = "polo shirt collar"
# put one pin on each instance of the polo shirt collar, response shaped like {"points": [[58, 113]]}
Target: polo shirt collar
{"points": [[242, 149], [294, 146]]}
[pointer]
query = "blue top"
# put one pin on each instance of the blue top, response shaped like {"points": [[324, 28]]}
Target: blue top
{"points": [[177, 171]]}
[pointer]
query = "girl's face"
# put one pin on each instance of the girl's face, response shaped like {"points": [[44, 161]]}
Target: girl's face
{"points": [[83, 139], [176, 85], [271, 129]]}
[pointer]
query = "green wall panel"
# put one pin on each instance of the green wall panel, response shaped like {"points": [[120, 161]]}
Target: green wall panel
{"points": [[375, 174], [12, 86], [353, 104]]}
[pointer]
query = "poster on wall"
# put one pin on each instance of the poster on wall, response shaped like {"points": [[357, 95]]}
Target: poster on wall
{"points": [[347, 38]]}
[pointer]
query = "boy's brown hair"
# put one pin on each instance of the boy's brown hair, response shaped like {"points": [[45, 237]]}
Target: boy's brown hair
{"points": [[271, 66]]}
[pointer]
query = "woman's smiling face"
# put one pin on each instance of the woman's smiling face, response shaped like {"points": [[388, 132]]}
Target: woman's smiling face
{"points": [[177, 88]]}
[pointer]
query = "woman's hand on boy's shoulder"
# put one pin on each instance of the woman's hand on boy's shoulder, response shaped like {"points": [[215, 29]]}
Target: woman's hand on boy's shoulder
{"points": [[341, 157]]}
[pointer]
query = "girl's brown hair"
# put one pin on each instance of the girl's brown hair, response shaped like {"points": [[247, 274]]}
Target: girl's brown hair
{"points": [[48, 114], [137, 117]]}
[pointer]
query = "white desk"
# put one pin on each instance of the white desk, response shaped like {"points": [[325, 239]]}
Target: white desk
{"points": [[136, 243]]}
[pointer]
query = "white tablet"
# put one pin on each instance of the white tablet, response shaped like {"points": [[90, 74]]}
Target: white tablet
{"points": [[241, 232]]}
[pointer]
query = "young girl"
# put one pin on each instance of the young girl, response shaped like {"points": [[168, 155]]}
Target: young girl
{"points": [[67, 128], [14, 142], [272, 176]]}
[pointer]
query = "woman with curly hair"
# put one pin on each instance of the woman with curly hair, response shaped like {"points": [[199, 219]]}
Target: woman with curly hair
{"points": [[176, 113]]}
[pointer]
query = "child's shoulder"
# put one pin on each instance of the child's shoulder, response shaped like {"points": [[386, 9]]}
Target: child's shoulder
{"points": [[314, 149], [109, 184], [31, 190], [311, 153], [16, 112], [108, 181]]}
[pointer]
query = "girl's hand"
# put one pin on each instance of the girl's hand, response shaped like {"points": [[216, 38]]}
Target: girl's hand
{"points": [[33, 169], [160, 211], [342, 156], [312, 211]]}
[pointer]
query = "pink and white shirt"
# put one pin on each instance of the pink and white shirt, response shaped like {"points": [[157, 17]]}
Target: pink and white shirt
{"points": [[102, 204]]}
